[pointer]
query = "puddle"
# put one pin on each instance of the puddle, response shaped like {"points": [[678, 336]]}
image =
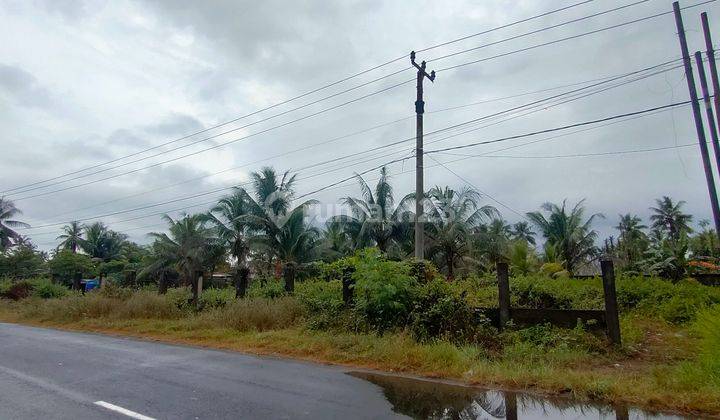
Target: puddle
{"points": [[422, 399]]}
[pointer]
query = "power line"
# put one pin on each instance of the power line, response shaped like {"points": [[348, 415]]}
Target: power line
{"points": [[585, 123], [565, 127], [537, 31], [344, 157], [578, 155], [292, 121], [476, 188], [568, 38], [326, 86]]}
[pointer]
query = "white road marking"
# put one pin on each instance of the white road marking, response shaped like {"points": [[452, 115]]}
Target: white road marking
{"points": [[121, 410]]}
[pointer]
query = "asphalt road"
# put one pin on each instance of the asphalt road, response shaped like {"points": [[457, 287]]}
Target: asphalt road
{"points": [[49, 374]]}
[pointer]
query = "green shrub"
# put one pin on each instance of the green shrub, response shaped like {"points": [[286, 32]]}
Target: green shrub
{"points": [[674, 302], [551, 268], [556, 293], [268, 289], [439, 312], [322, 301], [179, 297], [16, 290], [216, 298], [45, 289], [384, 292]]}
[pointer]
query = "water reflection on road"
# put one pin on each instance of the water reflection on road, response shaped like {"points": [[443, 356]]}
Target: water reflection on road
{"points": [[424, 399]]}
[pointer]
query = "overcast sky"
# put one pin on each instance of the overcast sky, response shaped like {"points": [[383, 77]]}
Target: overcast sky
{"points": [[87, 82]]}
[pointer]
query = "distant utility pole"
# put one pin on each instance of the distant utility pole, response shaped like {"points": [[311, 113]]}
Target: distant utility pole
{"points": [[690, 77], [419, 187]]}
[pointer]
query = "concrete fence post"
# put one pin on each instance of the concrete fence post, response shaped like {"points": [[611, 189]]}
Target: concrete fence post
{"points": [[611, 308], [503, 293]]}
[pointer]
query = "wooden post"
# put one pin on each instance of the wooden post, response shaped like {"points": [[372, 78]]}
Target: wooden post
{"points": [[621, 413], [510, 406], [611, 309], [503, 293], [348, 285]]}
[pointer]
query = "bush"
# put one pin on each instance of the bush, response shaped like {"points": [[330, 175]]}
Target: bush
{"points": [[179, 297], [16, 290], [45, 289], [439, 312], [384, 292], [674, 302], [257, 314], [271, 289], [216, 298], [322, 301], [559, 293]]}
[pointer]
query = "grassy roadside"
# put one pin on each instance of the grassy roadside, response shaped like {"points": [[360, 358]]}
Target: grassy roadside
{"points": [[656, 369]]}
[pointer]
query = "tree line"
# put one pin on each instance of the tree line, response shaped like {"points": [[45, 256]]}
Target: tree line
{"points": [[261, 232]]}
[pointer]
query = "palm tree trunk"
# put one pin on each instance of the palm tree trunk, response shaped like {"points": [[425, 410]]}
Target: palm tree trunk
{"points": [[451, 269], [162, 283], [241, 281], [289, 276]]}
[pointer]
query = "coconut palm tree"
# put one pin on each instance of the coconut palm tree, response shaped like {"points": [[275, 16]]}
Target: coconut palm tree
{"points": [[228, 218], [184, 247], [452, 215], [272, 192], [492, 240], [633, 242], [523, 231], [290, 239], [374, 218], [8, 211], [101, 242], [668, 217], [336, 241], [569, 233], [72, 237]]}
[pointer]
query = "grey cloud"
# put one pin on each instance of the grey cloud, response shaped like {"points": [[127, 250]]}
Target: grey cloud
{"points": [[23, 88]]}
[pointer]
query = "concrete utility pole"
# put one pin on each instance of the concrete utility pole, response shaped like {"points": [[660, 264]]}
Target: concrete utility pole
{"points": [[708, 107], [419, 182], [712, 65], [704, 153]]}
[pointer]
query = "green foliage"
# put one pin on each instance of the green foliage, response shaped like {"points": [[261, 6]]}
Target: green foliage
{"points": [[674, 302], [268, 289], [440, 312], [216, 298], [384, 291], [22, 261], [550, 268], [556, 293], [65, 264], [180, 297], [45, 289], [323, 302], [707, 327]]}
